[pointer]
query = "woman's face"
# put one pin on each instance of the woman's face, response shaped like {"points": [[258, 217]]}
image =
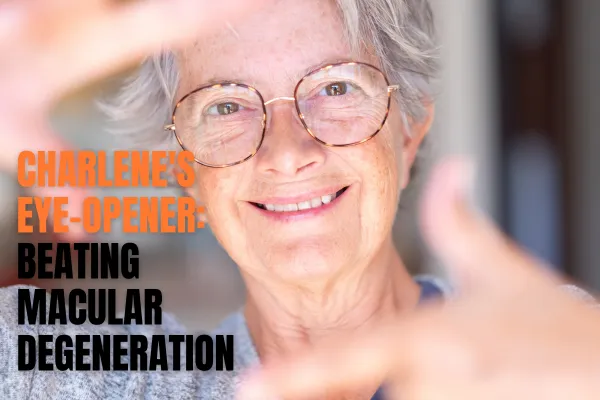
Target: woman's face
{"points": [[271, 51]]}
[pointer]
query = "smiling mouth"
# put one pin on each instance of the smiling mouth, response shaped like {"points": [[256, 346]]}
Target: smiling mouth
{"points": [[303, 205]]}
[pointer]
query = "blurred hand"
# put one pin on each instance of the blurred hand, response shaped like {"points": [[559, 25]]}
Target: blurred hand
{"points": [[49, 47], [510, 334]]}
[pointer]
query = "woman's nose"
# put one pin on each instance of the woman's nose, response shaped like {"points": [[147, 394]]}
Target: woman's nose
{"points": [[288, 149]]}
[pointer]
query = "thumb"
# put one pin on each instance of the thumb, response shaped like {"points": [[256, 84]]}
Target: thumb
{"points": [[478, 256]]}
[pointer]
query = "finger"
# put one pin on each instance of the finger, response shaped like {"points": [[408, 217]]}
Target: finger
{"points": [[10, 17], [397, 354], [130, 32], [348, 364], [96, 44], [476, 253]]}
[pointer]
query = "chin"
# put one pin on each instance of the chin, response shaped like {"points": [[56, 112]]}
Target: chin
{"points": [[308, 261]]}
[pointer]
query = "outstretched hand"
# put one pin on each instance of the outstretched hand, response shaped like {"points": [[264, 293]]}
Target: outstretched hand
{"points": [[50, 47], [511, 333]]}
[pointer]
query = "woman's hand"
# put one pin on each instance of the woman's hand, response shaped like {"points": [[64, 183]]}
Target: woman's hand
{"points": [[49, 47], [512, 333]]}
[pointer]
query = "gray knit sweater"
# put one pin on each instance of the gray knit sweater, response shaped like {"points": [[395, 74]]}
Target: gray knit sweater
{"points": [[117, 385], [114, 385]]}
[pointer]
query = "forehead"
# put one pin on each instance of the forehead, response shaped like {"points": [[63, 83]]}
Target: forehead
{"points": [[271, 49]]}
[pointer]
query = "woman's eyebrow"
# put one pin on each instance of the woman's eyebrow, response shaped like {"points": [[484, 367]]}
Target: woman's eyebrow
{"points": [[328, 61], [297, 75], [216, 81]]}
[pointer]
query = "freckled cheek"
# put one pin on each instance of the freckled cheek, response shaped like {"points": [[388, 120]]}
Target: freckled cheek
{"points": [[385, 162], [378, 166], [212, 192]]}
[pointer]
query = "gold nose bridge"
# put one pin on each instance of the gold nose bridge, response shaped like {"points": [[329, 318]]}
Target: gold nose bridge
{"points": [[279, 99]]}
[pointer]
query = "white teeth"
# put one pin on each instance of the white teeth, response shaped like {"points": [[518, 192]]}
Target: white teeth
{"points": [[303, 205], [290, 207]]}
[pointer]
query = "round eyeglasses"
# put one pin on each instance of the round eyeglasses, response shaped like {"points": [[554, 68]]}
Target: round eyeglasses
{"points": [[339, 105]]}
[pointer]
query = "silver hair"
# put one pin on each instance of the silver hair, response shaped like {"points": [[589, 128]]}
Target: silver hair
{"points": [[399, 32]]}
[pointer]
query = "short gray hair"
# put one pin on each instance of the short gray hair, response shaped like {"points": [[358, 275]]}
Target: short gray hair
{"points": [[399, 32]]}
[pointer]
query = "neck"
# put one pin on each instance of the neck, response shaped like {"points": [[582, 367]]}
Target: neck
{"points": [[284, 320]]}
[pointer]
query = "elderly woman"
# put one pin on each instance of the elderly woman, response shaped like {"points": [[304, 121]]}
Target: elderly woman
{"points": [[304, 118]]}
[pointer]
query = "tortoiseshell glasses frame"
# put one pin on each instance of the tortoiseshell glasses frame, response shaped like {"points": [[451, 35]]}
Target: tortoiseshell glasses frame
{"points": [[390, 89]]}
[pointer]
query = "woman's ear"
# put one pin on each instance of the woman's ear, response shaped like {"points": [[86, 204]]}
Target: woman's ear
{"points": [[417, 130]]}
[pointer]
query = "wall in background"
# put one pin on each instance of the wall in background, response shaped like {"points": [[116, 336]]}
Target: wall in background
{"points": [[584, 110]]}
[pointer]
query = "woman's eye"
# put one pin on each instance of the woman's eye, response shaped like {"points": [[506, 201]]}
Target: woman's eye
{"points": [[336, 89], [224, 108]]}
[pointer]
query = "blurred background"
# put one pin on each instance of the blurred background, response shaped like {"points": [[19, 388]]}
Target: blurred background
{"points": [[520, 92]]}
